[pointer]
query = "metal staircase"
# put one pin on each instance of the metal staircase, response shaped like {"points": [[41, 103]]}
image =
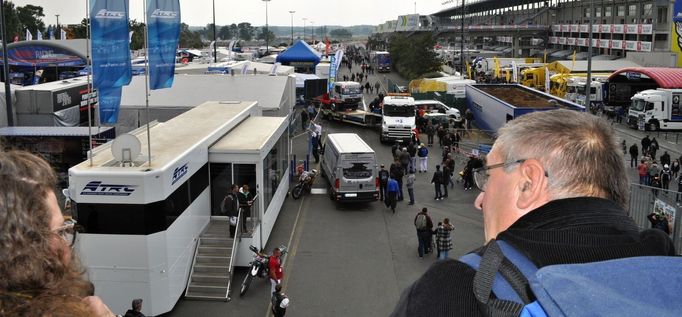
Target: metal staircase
{"points": [[211, 274]]}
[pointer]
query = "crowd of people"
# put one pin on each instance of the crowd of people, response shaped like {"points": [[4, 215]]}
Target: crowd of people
{"points": [[650, 172]]}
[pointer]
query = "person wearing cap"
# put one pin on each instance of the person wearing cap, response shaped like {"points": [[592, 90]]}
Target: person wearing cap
{"points": [[279, 301], [136, 310], [665, 176]]}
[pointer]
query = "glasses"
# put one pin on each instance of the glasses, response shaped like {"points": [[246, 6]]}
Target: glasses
{"points": [[481, 174], [67, 232]]}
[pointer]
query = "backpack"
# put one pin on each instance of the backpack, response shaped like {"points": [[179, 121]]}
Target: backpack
{"points": [[636, 286], [420, 223], [383, 176]]}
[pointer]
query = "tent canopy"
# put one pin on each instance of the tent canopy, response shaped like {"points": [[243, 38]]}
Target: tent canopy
{"points": [[663, 76], [43, 54], [299, 52]]}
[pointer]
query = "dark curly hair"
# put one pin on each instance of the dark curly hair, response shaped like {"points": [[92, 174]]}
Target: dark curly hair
{"points": [[35, 280]]}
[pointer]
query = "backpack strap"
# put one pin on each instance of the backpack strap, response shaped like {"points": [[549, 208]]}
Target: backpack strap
{"points": [[497, 272]]}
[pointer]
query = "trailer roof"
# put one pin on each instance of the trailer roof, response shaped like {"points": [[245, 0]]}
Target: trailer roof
{"points": [[250, 136], [349, 143], [665, 77]]}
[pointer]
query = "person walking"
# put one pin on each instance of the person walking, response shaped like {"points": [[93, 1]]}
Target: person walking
{"points": [[446, 179], [405, 159], [665, 175], [653, 148], [675, 168], [437, 180], [397, 172], [643, 171], [245, 203], [665, 158], [430, 132], [377, 85], [392, 191], [555, 199], [423, 154], [410, 186], [279, 302], [634, 153], [424, 225], [275, 269], [304, 119], [443, 239], [412, 150], [646, 142], [383, 181]]}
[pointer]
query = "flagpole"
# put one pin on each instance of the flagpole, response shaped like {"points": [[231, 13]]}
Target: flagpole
{"points": [[5, 68], [146, 79], [90, 71]]}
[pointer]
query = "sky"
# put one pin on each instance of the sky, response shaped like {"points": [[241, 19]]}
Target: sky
{"points": [[199, 12]]}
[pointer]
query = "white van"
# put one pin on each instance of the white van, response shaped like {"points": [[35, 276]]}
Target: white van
{"points": [[350, 166]]}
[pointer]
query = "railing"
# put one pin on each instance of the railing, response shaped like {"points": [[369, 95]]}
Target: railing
{"points": [[644, 200], [235, 246], [194, 262]]}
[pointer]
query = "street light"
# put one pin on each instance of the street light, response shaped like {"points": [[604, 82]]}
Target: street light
{"points": [[312, 33], [304, 19], [57, 15], [215, 44], [292, 26], [267, 33]]}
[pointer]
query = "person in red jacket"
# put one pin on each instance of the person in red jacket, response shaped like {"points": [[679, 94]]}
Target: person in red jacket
{"points": [[275, 269]]}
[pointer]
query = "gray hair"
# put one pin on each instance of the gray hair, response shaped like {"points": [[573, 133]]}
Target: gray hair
{"points": [[578, 151]]}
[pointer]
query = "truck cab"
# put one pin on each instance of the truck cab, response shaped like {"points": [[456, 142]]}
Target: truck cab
{"points": [[398, 119], [347, 92], [656, 109]]}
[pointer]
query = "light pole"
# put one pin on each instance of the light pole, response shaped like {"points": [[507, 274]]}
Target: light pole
{"points": [[312, 34], [267, 32], [304, 19], [5, 66], [215, 44], [292, 26], [57, 15]]}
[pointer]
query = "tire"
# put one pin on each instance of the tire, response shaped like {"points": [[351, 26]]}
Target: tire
{"points": [[297, 191], [652, 126], [245, 284]]}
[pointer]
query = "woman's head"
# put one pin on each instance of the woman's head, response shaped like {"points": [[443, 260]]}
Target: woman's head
{"points": [[34, 257]]}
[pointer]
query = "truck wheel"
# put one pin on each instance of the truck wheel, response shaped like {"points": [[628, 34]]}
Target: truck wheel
{"points": [[653, 126]]}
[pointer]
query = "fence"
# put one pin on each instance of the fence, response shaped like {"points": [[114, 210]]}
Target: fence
{"points": [[644, 200]]}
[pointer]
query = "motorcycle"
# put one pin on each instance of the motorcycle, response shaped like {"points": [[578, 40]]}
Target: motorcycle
{"points": [[259, 267], [305, 184]]}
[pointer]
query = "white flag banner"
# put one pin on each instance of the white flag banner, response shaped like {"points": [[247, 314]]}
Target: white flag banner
{"points": [[39, 35], [62, 34], [29, 37], [546, 80]]}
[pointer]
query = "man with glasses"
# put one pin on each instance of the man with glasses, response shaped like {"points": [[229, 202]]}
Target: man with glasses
{"points": [[554, 187]]}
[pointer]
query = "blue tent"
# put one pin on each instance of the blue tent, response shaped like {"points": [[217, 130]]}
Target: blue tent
{"points": [[300, 52]]}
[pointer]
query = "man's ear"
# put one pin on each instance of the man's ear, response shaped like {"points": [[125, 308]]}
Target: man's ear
{"points": [[532, 185]]}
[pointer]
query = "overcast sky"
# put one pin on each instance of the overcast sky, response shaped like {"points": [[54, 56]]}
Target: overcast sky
{"points": [[199, 12]]}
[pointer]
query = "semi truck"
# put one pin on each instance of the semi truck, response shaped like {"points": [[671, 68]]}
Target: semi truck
{"points": [[656, 109], [381, 61], [398, 118]]}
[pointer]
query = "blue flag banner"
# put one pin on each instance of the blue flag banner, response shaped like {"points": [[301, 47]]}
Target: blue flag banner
{"points": [[110, 53], [163, 25], [109, 103]]}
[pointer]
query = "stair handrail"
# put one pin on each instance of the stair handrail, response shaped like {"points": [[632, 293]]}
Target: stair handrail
{"points": [[235, 246], [194, 262]]}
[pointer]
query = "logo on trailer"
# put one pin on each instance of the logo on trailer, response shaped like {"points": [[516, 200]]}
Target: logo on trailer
{"points": [[96, 188], [179, 172]]}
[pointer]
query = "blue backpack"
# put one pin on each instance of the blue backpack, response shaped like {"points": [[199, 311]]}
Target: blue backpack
{"points": [[637, 286]]}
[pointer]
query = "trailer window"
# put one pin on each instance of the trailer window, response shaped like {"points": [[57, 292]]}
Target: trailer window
{"points": [[357, 171]]}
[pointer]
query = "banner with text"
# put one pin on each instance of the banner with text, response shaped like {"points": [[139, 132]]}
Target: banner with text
{"points": [[676, 41], [110, 53], [163, 24]]}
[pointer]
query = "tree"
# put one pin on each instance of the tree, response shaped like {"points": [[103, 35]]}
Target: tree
{"points": [[234, 30], [79, 31], [225, 33], [12, 22], [30, 17], [341, 34], [245, 31], [413, 56], [189, 39], [138, 29], [209, 31], [261, 35]]}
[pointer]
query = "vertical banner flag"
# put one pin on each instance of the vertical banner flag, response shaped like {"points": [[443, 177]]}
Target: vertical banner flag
{"points": [[163, 27], [29, 37], [51, 34], [39, 35], [332, 73], [110, 54], [62, 34], [515, 72], [676, 33], [546, 80], [573, 65], [466, 63]]}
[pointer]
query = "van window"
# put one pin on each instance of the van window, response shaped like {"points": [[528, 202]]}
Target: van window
{"points": [[357, 171]]}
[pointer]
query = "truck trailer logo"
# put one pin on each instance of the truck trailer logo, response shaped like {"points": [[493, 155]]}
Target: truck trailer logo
{"points": [[179, 172], [96, 188]]}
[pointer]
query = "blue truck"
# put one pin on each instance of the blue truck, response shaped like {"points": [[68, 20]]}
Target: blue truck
{"points": [[492, 105]]}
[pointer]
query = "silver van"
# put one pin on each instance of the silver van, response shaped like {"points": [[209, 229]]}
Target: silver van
{"points": [[350, 167]]}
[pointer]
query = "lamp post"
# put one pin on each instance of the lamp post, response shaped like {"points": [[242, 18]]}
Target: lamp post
{"points": [[304, 19], [267, 32], [292, 26], [5, 66], [57, 15], [312, 33], [215, 44]]}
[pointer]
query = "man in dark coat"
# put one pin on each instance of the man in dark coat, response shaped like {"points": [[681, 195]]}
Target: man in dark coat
{"points": [[397, 172], [544, 205], [634, 153], [437, 181]]}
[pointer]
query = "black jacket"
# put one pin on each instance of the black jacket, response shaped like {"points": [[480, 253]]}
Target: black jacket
{"points": [[132, 313], [397, 171], [574, 230]]}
